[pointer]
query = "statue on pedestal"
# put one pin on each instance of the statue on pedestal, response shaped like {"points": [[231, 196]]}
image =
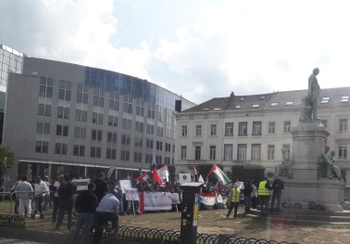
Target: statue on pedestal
{"points": [[284, 168], [327, 161]]}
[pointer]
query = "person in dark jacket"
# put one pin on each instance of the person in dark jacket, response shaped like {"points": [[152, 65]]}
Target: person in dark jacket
{"points": [[85, 205], [247, 196], [101, 186], [277, 187], [66, 192]]}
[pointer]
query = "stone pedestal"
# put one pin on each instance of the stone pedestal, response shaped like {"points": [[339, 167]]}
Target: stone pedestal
{"points": [[323, 191], [309, 141]]}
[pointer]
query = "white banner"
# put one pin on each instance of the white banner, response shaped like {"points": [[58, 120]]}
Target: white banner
{"points": [[154, 201], [132, 194]]}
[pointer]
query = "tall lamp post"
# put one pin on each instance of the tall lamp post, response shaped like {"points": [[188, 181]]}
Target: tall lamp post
{"points": [[4, 166]]}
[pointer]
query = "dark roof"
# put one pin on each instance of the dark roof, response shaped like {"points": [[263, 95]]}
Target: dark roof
{"points": [[271, 100]]}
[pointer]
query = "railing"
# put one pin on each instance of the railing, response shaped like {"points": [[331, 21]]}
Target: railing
{"points": [[12, 220], [160, 236]]}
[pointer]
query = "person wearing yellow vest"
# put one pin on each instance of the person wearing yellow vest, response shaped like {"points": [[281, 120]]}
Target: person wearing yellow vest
{"points": [[234, 201], [264, 196]]}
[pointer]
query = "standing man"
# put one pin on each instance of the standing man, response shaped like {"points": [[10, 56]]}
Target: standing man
{"points": [[247, 196], [277, 187], [66, 192], [254, 194], [56, 197], [107, 210], [85, 205], [264, 195], [234, 201], [40, 189], [24, 191], [313, 93], [101, 186]]}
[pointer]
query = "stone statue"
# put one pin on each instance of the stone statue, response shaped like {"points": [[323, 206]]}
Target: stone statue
{"points": [[284, 168], [313, 93], [327, 158]]}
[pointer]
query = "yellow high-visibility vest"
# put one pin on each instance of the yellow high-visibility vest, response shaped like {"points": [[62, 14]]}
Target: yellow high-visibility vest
{"points": [[263, 191]]}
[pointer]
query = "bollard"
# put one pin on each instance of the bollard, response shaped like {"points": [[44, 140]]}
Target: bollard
{"points": [[189, 215]]}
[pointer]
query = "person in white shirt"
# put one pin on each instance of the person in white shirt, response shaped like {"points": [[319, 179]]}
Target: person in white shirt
{"points": [[24, 192], [56, 198], [107, 210], [40, 189]]}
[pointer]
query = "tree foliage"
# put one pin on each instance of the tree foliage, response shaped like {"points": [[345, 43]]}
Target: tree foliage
{"points": [[7, 160], [248, 172]]}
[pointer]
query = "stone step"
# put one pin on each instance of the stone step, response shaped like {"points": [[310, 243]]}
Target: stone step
{"points": [[305, 215]]}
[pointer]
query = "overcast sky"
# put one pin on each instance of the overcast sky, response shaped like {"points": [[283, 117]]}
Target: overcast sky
{"points": [[199, 49]]}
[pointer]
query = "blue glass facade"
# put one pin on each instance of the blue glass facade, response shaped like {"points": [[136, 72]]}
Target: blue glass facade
{"points": [[134, 87]]}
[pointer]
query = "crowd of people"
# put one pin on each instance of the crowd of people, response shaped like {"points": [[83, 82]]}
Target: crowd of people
{"points": [[104, 200], [94, 207], [253, 195]]}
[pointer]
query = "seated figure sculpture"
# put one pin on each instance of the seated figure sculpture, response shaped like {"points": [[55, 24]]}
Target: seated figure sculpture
{"points": [[284, 168], [327, 160]]}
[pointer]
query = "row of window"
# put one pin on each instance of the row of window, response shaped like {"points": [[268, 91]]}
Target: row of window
{"points": [[44, 128], [228, 152], [242, 129], [255, 152], [65, 93], [96, 152], [97, 135], [256, 128]]}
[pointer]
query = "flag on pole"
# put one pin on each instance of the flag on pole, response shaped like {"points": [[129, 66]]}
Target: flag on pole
{"points": [[154, 164], [154, 159], [217, 187], [195, 173], [219, 174], [110, 171], [200, 179], [163, 172], [156, 177], [143, 176]]}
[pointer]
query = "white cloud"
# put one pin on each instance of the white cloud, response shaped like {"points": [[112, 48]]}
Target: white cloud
{"points": [[200, 49]]}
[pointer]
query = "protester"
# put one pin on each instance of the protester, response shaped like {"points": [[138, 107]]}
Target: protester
{"points": [[101, 186], [47, 196], [66, 192], [247, 196], [254, 195], [264, 196], [85, 206], [40, 189], [277, 186], [56, 197], [106, 211], [234, 201], [14, 196], [24, 191]]}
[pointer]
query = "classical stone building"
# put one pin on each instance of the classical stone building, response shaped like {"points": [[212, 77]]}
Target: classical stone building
{"points": [[253, 129]]}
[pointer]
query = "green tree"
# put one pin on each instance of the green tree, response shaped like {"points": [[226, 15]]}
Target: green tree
{"points": [[7, 160], [248, 171]]}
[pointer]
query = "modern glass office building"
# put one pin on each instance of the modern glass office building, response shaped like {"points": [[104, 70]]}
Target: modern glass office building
{"points": [[68, 118]]}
